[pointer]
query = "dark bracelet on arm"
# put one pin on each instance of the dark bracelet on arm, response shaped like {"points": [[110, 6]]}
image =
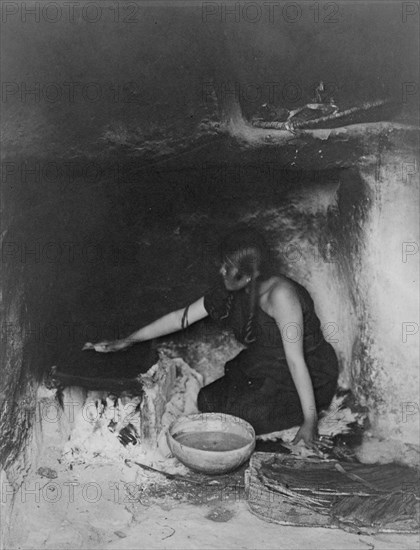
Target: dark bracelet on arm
{"points": [[184, 321]]}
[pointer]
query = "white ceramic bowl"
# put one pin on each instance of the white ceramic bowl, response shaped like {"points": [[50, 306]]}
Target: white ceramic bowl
{"points": [[213, 443]]}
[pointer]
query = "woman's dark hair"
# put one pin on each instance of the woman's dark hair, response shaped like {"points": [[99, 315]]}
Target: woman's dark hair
{"points": [[246, 247]]}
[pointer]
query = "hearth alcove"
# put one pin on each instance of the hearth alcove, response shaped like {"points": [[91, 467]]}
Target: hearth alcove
{"points": [[112, 215]]}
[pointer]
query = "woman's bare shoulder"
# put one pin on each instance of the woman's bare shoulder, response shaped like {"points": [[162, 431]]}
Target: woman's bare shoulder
{"points": [[278, 289], [280, 284]]}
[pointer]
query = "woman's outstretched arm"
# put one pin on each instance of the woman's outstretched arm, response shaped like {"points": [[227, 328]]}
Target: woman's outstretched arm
{"points": [[287, 312], [169, 323]]}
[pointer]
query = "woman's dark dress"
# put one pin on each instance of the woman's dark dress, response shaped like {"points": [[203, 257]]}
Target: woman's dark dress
{"points": [[257, 385]]}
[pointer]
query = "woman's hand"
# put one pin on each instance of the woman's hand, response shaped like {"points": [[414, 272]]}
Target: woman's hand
{"points": [[308, 432], [108, 346]]}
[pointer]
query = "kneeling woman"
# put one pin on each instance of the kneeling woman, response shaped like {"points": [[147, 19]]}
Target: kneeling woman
{"points": [[288, 372]]}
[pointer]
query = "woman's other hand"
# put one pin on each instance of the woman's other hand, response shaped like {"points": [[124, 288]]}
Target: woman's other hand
{"points": [[108, 346], [308, 433]]}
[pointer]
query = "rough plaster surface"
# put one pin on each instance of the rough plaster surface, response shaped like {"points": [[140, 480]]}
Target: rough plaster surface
{"points": [[388, 370]]}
